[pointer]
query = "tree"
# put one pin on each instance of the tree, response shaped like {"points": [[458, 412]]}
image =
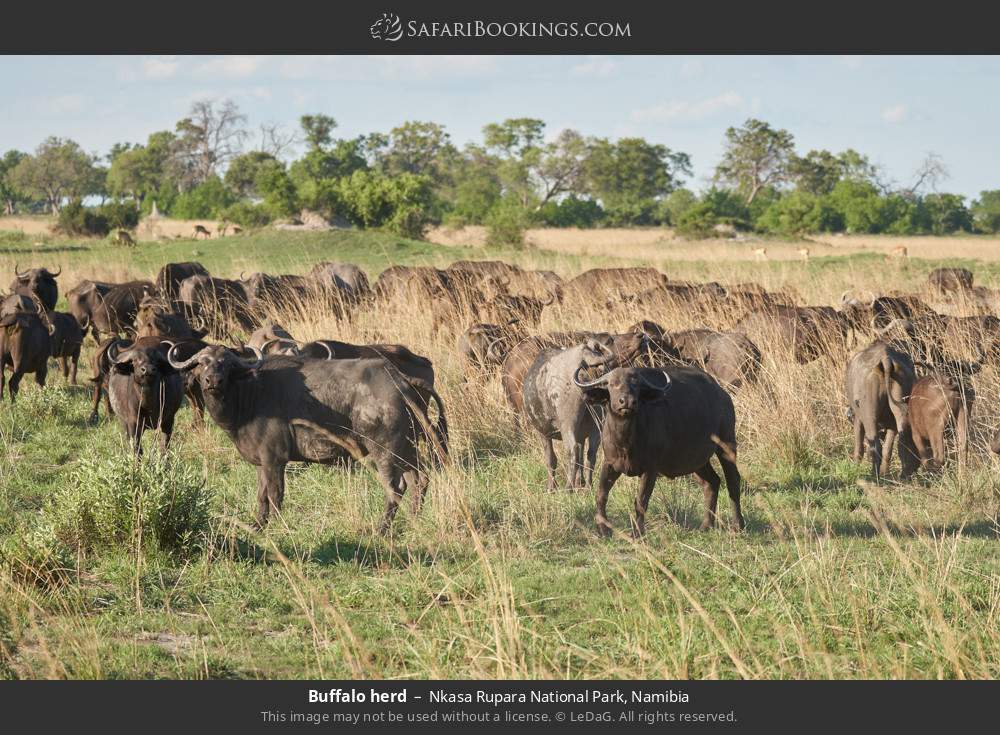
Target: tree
{"points": [[417, 148], [59, 169], [985, 211], [516, 145], [799, 212], [756, 156], [474, 189], [317, 130], [245, 171], [928, 175], [631, 175], [947, 213], [275, 140], [817, 172], [207, 139], [142, 171], [561, 168], [10, 194]]}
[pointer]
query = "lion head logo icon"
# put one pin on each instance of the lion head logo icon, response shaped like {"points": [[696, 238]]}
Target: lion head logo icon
{"points": [[387, 28]]}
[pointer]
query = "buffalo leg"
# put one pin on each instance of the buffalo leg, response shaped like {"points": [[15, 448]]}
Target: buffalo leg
{"points": [[859, 439], [937, 447], [418, 481], [394, 487], [733, 484], [710, 483], [76, 360], [646, 484], [270, 491], [550, 463], [593, 443], [3, 377], [609, 475], [571, 449], [40, 375], [64, 364], [921, 446], [887, 446], [15, 381]]}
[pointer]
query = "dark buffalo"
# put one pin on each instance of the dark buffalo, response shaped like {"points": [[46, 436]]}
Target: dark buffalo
{"points": [[664, 422], [345, 282], [484, 346], [937, 403], [38, 281], [877, 385], [729, 357], [597, 285], [144, 390], [17, 303], [793, 330], [282, 409], [950, 280], [115, 311], [157, 319], [83, 299], [221, 302], [65, 340], [168, 280], [25, 347]]}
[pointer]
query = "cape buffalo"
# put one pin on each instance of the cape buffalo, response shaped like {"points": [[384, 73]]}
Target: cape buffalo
{"points": [[65, 340], [144, 391], [24, 346], [168, 280], [729, 357], [877, 384], [664, 422], [38, 281], [282, 409], [950, 280], [936, 403]]}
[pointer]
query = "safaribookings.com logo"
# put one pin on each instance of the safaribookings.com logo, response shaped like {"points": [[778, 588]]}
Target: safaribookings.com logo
{"points": [[390, 28]]}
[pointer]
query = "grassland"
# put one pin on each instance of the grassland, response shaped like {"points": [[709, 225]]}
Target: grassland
{"points": [[834, 578]]}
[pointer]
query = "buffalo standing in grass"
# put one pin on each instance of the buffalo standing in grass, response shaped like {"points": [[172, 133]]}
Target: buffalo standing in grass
{"points": [[38, 281], [729, 357], [878, 383], [936, 403], [664, 422], [25, 347], [144, 390], [282, 409]]}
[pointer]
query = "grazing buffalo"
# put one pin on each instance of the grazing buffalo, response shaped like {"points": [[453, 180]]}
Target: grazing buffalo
{"points": [[344, 284], [729, 357], [950, 280], [114, 313], [936, 403], [266, 291], [878, 383], [597, 285], [38, 281], [484, 346], [65, 340], [219, 301], [282, 409], [794, 330], [664, 422], [25, 347], [157, 319], [144, 391], [83, 299], [168, 280]]}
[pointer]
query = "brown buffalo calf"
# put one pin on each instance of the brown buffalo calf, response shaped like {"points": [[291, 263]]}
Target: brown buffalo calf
{"points": [[936, 402]]}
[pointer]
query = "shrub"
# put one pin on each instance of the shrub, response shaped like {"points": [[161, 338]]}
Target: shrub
{"points": [[205, 201], [506, 223], [78, 220], [401, 204], [799, 212], [246, 215], [119, 215], [571, 212], [157, 504]]}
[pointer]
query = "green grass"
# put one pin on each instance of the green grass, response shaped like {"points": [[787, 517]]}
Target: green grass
{"points": [[497, 578]]}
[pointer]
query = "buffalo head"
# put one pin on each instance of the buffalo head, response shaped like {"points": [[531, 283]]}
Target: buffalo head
{"points": [[625, 389], [215, 366]]}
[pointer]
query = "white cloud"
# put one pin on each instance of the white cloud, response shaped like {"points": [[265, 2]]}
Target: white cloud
{"points": [[230, 66], [159, 67], [595, 66], [684, 110], [895, 114]]}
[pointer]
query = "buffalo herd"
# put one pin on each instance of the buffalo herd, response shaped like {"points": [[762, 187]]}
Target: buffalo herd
{"points": [[657, 402]]}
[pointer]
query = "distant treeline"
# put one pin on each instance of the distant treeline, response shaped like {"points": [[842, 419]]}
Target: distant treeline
{"points": [[212, 166]]}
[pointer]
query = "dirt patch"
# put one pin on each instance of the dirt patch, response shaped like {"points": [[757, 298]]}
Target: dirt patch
{"points": [[173, 643]]}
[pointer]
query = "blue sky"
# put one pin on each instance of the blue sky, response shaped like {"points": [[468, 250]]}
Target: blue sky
{"points": [[894, 109]]}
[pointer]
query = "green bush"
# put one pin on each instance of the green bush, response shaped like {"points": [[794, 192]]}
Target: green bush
{"points": [[119, 215], [77, 220], [506, 223], [246, 215], [116, 502], [797, 213], [205, 201], [401, 203], [571, 212]]}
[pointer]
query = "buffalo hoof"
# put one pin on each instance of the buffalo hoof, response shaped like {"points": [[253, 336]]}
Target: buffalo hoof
{"points": [[603, 528], [93, 419]]}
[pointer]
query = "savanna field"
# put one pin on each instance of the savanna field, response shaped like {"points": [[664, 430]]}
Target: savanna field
{"points": [[112, 569]]}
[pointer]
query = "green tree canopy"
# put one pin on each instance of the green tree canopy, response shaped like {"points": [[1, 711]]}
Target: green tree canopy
{"points": [[59, 169], [756, 156]]}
